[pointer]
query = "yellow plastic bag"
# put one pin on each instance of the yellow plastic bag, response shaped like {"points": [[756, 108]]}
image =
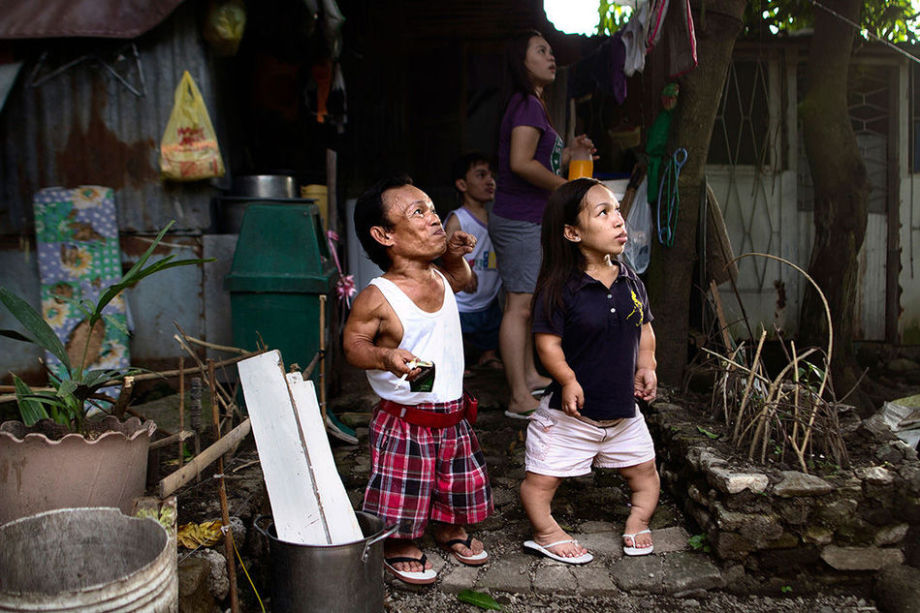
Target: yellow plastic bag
{"points": [[189, 148], [224, 25]]}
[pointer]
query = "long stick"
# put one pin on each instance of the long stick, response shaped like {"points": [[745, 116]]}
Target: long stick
{"points": [[322, 356], [166, 374], [172, 438], [181, 408], [171, 483], [747, 390], [224, 507]]}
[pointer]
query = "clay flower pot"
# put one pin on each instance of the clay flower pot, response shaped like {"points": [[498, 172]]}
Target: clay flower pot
{"points": [[48, 467]]}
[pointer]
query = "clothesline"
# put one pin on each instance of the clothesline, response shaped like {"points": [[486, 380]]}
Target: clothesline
{"points": [[871, 35]]}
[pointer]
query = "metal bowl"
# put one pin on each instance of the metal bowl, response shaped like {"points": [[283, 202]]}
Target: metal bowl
{"points": [[265, 186]]}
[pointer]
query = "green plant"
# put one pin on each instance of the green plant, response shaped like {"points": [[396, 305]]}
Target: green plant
{"points": [[699, 542], [785, 589], [480, 599], [74, 387]]}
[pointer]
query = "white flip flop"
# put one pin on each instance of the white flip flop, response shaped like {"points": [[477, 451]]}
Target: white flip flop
{"points": [[637, 551], [544, 550], [424, 577]]}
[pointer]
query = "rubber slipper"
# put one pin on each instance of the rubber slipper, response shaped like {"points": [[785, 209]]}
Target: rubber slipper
{"points": [[474, 560], [414, 577], [493, 363], [544, 550], [521, 415], [637, 551]]}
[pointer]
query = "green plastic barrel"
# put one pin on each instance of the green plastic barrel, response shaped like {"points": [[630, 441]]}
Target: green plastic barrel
{"points": [[281, 267]]}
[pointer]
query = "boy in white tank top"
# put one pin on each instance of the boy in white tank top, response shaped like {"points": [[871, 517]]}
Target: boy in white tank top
{"points": [[480, 311], [426, 463]]}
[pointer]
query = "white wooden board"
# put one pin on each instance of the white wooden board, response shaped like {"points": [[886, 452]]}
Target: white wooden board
{"points": [[298, 495], [335, 507]]}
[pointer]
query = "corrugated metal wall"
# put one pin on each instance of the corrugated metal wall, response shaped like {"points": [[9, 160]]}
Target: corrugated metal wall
{"points": [[84, 126]]}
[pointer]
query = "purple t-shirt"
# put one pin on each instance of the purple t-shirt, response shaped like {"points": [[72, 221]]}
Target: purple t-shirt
{"points": [[516, 198]]}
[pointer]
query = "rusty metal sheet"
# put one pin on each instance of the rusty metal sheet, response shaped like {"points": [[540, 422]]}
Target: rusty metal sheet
{"points": [[86, 126]]}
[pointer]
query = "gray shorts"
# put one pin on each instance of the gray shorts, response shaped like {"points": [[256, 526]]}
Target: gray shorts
{"points": [[518, 252]]}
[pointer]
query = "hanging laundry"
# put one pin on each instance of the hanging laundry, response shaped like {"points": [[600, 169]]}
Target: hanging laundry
{"points": [[658, 10], [601, 71], [681, 41], [634, 40]]}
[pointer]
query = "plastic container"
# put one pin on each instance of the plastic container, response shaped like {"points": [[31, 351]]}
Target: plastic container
{"points": [[320, 194], [280, 268], [581, 164], [87, 560]]}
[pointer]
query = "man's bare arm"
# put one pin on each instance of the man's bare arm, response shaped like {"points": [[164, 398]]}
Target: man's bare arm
{"points": [[363, 339], [454, 264]]}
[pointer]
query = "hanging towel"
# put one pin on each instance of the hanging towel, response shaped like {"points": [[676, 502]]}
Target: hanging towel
{"points": [[681, 41]]}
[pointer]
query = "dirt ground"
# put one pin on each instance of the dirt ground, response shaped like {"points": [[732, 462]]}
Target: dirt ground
{"points": [[502, 440]]}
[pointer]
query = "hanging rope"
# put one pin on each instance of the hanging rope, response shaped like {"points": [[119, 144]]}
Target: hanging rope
{"points": [[669, 197]]}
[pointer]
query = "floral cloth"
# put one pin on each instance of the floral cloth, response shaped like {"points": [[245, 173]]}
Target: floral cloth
{"points": [[78, 258]]}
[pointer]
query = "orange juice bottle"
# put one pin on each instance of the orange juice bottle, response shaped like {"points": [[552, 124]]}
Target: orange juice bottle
{"points": [[581, 165]]}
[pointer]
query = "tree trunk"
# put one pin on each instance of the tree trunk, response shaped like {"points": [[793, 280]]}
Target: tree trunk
{"points": [[671, 269], [841, 192]]}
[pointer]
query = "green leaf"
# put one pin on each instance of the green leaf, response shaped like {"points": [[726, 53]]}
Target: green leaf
{"points": [[96, 378], [143, 259], [30, 410], [480, 599], [16, 336], [117, 323], [707, 432], [37, 329], [135, 275], [66, 388]]}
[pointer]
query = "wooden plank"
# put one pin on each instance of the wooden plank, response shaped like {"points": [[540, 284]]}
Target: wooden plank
{"points": [[334, 504], [285, 457]]}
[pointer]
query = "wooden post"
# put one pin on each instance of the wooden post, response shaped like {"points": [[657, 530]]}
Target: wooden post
{"points": [[720, 314], [322, 356], [224, 508], [195, 416], [181, 408]]}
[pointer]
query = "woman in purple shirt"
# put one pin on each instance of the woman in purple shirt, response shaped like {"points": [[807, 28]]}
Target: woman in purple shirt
{"points": [[530, 159]]}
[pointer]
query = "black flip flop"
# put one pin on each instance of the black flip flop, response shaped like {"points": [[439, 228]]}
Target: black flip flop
{"points": [[474, 560], [424, 577]]}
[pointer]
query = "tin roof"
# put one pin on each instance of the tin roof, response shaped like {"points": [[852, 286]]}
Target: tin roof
{"points": [[22, 19]]}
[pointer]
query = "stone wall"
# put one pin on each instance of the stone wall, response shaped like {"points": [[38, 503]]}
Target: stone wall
{"points": [[845, 522]]}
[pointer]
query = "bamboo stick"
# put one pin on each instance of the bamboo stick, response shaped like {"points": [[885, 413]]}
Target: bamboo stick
{"points": [[747, 390], [181, 408], [322, 356], [172, 438], [224, 506], [171, 483], [720, 315]]}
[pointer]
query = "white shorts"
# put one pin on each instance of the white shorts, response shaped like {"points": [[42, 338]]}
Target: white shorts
{"points": [[559, 445]]}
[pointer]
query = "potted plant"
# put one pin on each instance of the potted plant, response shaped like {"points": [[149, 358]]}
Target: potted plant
{"points": [[69, 450]]}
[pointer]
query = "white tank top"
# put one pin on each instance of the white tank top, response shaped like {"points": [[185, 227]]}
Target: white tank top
{"points": [[435, 337], [482, 261]]}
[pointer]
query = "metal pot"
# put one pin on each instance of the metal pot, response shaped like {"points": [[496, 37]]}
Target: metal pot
{"points": [[265, 186], [349, 577]]}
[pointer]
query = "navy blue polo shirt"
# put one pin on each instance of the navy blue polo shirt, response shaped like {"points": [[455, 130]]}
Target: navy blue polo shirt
{"points": [[600, 330]]}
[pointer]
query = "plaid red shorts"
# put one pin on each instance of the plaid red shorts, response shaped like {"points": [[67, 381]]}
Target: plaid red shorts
{"points": [[420, 474]]}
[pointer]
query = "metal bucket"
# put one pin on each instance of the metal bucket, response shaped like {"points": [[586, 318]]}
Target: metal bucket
{"points": [[347, 578], [87, 559]]}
